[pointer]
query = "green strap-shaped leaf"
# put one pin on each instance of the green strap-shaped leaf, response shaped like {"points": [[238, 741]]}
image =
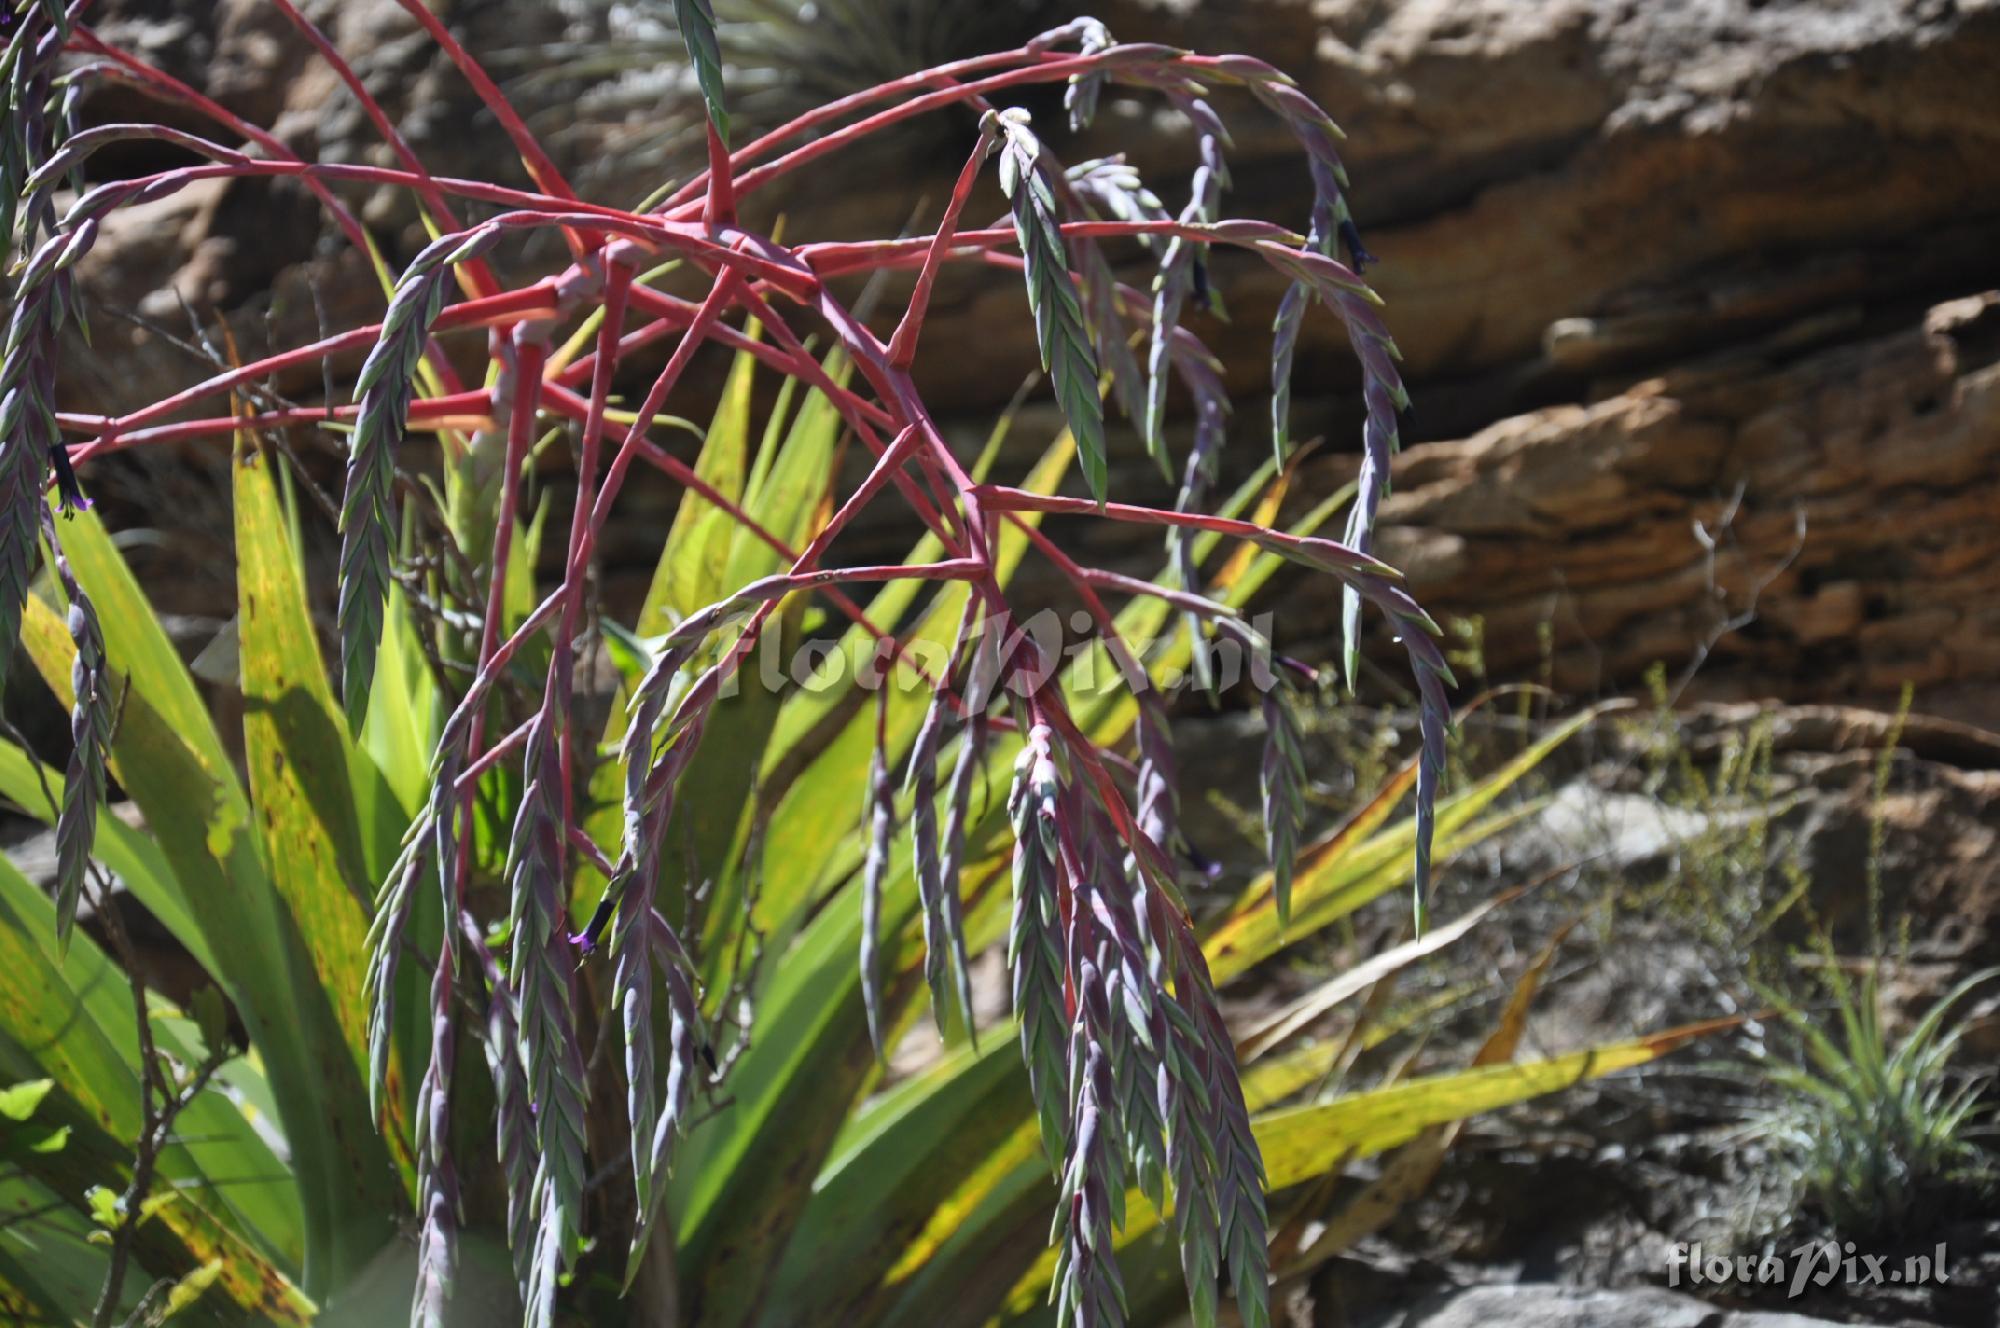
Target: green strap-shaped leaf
{"points": [[1301, 1143], [71, 1016], [127, 853], [141, 653], [750, 1187], [404, 715], [200, 819], [1341, 871], [982, 1223], [300, 763], [909, 1159], [687, 577], [23, 1298], [692, 561], [745, 1178], [1107, 714], [798, 875], [991, 1227], [787, 492]]}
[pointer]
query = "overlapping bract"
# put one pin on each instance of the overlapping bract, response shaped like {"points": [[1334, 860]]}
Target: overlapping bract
{"points": [[1132, 1070], [1061, 331], [368, 503], [92, 709]]}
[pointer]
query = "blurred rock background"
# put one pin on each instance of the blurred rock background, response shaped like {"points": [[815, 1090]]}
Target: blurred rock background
{"points": [[1697, 299]]}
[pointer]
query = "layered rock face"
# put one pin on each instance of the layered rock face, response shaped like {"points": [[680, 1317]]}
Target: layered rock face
{"points": [[1696, 299], [1811, 525]]}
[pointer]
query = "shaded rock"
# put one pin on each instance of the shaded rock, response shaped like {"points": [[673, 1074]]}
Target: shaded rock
{"points": [[1927, 841], [263, 253], [1567, 1307]]}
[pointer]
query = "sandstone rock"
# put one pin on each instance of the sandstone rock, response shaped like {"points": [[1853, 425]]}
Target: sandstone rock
{"points": [[1828, 522], [1517, 164], [1641, 259]]}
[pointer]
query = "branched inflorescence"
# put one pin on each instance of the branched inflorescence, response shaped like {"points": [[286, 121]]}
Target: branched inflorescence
{"points": [[43, 299], [1131, 1068]]}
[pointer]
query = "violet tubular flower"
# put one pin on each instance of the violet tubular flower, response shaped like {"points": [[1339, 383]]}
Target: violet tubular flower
{"points": [[69, 493]]}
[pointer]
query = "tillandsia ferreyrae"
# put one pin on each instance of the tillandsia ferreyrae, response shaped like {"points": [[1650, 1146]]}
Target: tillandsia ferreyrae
{"points": [[1132, 1070]]}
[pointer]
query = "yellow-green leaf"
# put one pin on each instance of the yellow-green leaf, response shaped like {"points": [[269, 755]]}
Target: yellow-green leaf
{"points": [[194, 806], [298, 757], [1301, 1143]]}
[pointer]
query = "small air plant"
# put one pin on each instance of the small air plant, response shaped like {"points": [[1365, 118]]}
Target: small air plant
{"points": [[1132, 1069], [1871, 1127]]}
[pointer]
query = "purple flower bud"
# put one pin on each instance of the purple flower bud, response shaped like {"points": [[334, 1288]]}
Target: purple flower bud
{"points": [[600, 918], [1358, 257]]}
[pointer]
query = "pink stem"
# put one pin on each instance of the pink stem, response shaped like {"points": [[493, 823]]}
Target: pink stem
{"points": [[588, 849], [1048, 72], [903, 345], [529, 352], [681, 473], [540, 167], [834, 110], [1035, 67], [861, 346], [841, 258], [781, 358], [455, 411], [705, 687], [475, 770], [719, 200], [577, 567], [479, 277], [162, 84], [727, 246], [718, 299], [1128, 663]]}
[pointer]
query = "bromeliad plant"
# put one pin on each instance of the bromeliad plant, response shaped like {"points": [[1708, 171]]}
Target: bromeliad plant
{"points": [[1870, 1127], [802, 1196], [671, 852]]}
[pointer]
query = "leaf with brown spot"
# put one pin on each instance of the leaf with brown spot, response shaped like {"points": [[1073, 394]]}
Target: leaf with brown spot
{"points": [[298, 754], [72, 1015], [197, 815]]}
